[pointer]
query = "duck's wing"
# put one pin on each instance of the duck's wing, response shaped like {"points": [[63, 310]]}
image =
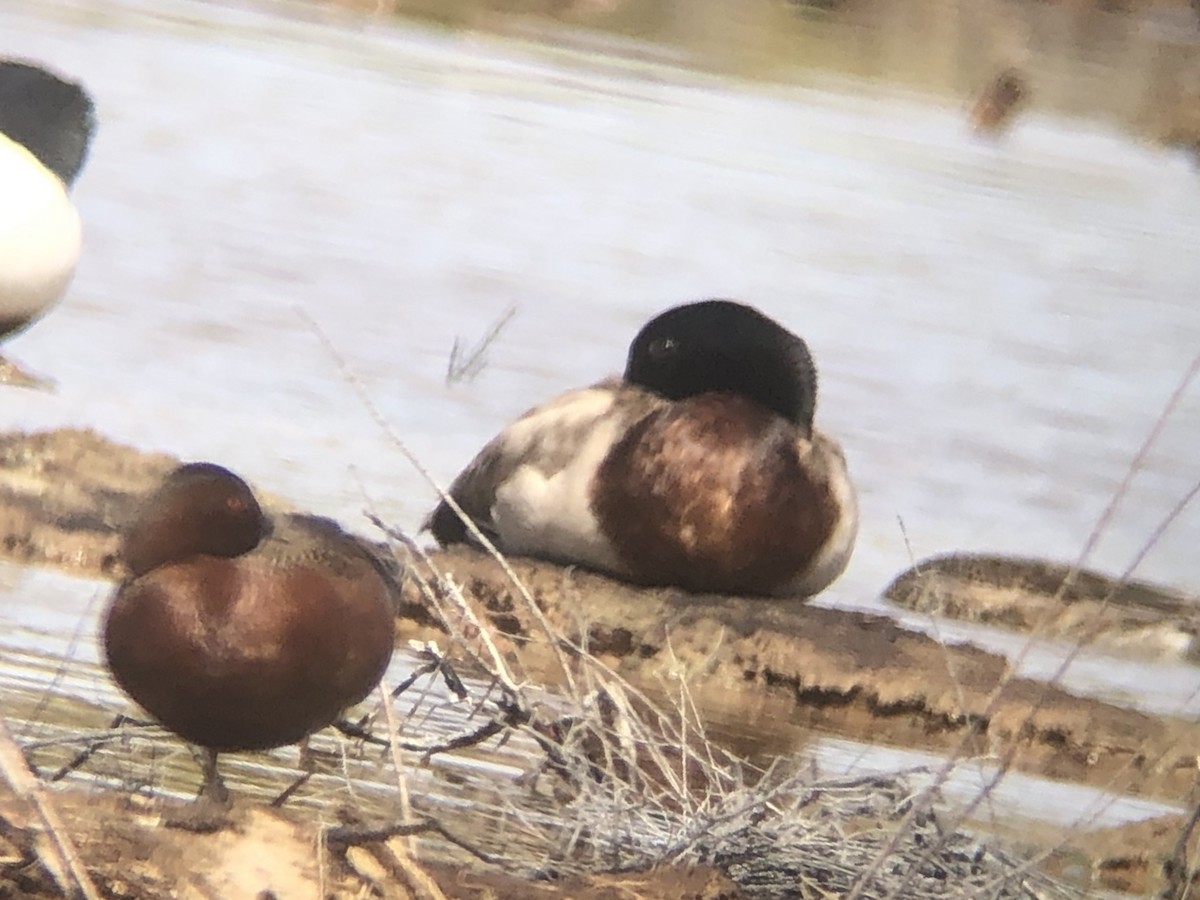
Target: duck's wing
{"points": [[300, 537], [543, 442]]}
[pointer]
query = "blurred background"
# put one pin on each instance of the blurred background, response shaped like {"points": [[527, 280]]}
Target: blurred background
{"points": [[981, 216]]}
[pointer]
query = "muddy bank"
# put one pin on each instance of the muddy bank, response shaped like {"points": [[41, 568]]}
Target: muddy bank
{"points": [[1052, 600], [264, 853], [763, 674], [65, 495], [268, 853], [753, 664]]}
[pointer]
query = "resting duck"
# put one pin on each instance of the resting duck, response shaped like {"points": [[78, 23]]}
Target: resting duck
{"points": [[700, 469], [998, 103], [46, 125], [239, 632]]}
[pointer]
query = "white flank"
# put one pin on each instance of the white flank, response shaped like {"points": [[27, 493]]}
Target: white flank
{"points": [[39, 234], [543, 509], [831, 559]]}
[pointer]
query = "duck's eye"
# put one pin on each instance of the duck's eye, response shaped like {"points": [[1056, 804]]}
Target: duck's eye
{"points": [[662, 349]]}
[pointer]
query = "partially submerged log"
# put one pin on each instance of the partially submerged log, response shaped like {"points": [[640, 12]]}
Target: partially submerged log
{"points": [[1054, 600]]}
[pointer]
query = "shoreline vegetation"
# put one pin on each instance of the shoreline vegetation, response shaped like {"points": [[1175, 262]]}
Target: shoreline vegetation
{"points": [[653, 758], [1133, 64]]}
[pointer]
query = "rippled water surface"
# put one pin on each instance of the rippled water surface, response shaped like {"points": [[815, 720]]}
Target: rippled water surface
{"points": [[997, 326]]}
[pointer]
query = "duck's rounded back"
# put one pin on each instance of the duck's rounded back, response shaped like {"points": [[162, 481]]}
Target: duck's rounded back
{"points": [[240, 632]]}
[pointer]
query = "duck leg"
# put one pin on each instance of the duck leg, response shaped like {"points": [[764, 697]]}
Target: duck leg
{"points": [[209, 811], [308, 767], [213, 790]]}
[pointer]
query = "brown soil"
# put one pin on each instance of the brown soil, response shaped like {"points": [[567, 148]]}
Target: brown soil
{"points": [[269, 854], [65, 494], [1129, 858]]}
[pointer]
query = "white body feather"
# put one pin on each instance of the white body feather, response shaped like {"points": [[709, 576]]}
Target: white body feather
{"points": [[544, 510], [39, 235], [532, 485]]}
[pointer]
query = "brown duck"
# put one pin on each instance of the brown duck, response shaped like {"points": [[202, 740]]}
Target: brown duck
{"points": [[238, 631]]}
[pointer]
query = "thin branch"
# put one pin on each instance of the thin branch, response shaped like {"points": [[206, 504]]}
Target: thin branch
{"points": [[58, 854], [356, 384], [344, 836]]}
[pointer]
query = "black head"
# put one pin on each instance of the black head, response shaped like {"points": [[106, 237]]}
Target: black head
{"points": [[52, 118], [200, 508], [719, 346]]}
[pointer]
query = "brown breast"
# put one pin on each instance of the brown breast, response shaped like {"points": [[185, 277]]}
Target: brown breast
{"points": [[711, 494]]}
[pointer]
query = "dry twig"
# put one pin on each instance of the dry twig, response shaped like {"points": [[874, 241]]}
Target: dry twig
{"points": [[57, 852]]}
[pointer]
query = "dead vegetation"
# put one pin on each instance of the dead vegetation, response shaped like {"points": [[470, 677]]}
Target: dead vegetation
{"points": [[615, 789], [650, 769]]}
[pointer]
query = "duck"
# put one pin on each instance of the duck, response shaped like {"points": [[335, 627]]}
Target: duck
{"points": [[241, 631], [46, 128], [700, 468], [999, 101]]}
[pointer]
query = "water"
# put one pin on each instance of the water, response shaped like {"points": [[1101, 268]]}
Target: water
{"points": [[997, 326], [1014, 798]]}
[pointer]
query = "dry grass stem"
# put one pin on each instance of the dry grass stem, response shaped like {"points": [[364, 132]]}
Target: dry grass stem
{"points": [[1179, 873], [464, 364], [955, 757], [356, 384], [393, 731], [57, 852]]}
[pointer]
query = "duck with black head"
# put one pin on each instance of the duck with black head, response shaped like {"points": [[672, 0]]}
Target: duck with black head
{"points": [[238, 631], [700, 469], [46, 125]]}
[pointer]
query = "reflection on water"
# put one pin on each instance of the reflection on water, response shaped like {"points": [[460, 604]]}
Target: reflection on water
{"points": [[997, 325]]}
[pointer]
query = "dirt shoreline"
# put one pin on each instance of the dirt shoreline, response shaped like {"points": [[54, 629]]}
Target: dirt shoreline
{"points": [[1053, 600], [64, 494], [762, 674]]}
